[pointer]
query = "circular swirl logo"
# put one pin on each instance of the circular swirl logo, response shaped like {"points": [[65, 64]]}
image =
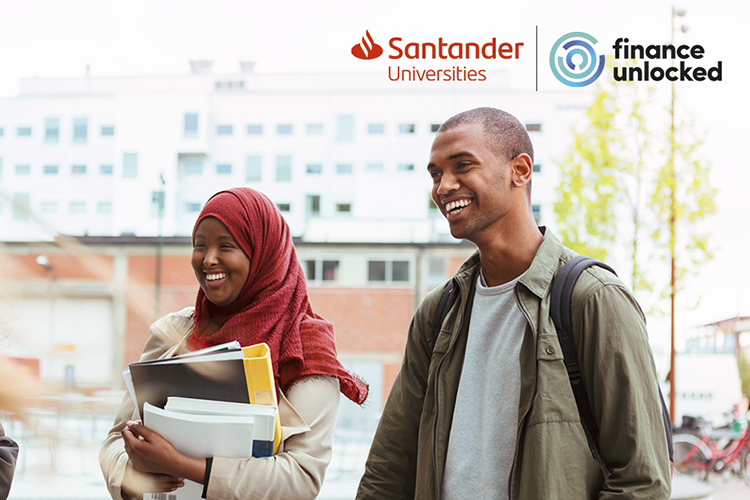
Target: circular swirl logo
{"points": [[576, 63]]}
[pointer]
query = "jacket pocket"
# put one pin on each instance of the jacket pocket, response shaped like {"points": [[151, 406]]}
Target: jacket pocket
{"points": [[442, 343], [554, 400]]}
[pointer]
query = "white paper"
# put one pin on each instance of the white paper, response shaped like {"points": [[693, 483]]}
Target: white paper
{"points": [[200, 436]]}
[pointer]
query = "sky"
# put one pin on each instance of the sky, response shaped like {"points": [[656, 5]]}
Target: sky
{"points": [[61, 38]]}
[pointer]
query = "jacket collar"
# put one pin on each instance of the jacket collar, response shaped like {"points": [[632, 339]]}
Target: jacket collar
{"points": [[538, 277]]}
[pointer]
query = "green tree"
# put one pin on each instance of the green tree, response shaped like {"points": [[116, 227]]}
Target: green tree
{"points": [[615, 195], [600, 205], [686, 183]]}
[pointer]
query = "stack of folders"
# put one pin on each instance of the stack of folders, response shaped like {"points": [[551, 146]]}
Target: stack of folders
{"points": [[218, 402]]}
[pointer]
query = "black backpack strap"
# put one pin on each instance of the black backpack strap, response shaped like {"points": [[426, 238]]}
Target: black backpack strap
{"points": [[447, 299], [560, 311]]}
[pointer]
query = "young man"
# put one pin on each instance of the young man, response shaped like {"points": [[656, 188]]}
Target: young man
{"points": [[485, 410]]}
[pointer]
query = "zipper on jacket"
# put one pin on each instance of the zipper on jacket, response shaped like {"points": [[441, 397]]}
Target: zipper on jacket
{"points": [[523, 417]]}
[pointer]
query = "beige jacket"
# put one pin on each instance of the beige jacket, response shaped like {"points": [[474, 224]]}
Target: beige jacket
{"points": [[308, 418]]}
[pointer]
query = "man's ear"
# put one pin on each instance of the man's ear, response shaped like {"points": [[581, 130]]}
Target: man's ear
{"points": [[521, 168]]}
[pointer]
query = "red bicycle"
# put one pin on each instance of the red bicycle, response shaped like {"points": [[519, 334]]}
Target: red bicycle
{"points": [[716, 451]]}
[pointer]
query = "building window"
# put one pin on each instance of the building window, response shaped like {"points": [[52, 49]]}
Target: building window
{"points": [[105, 169], [104, 208], [284, 129], [78, 169], [536, 167], [313, 204], [254, 129], [77, 207], [230, 85], [375, 167], [344, 168], [223, 169], [314, 168], [129, 165], [381, 271], [345, 128], [406, 128], [23, 169], [192, 207], [376, 128], [108, 130], [21, 206], [314, 129], [80, 130], [435, 271], [533, 127], [191, 124], [434, 127], [344, 208], [376, 270], [330, 270], [536, 211], [224, 129], [405, 167], [23, 132], [283, 168], [253, 168], [51, 130], [193, 168], [310, 268], [284, 207], [50, 170], [49, 207], [323, 270], [400, 271]]}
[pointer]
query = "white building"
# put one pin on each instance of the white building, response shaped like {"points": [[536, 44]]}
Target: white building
{"points": [[91, 156]]}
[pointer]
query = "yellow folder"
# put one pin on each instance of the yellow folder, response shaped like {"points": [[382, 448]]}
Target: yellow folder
{"points": [[260, 383]]}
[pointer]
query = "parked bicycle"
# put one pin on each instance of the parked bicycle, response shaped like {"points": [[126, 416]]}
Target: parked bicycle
{"points": [[703, 450]]}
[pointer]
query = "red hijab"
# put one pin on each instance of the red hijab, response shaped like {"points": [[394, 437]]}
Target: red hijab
{"points": [[273, 306]]}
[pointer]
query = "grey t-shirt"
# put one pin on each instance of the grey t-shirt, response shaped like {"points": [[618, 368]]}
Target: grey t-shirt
{"points": [[482, 440]]}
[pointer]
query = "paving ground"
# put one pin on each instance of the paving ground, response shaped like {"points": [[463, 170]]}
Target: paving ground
{"points": [[729, 488]]}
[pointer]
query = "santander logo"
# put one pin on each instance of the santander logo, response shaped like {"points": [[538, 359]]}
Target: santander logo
{"points": [[368, 49]]}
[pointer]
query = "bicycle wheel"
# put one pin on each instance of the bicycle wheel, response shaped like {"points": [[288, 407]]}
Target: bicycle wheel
{"points": [[691, 457], [745, 465]]}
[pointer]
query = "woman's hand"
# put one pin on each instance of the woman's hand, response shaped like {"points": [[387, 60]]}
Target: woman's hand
{"points": [[150, 452], [136, 483]]}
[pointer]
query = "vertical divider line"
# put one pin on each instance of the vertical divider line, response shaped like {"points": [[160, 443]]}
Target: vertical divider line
{"points": [[536, 69]]}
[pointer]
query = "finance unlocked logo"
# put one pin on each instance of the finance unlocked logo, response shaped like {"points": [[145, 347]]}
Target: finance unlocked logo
{"points": [[576, 64]]}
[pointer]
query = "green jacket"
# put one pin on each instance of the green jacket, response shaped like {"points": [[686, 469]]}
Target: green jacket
{"points": [[552, 458]]}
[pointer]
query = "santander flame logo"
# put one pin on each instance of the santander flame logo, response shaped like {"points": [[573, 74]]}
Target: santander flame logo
{"points": [[368, 49]]}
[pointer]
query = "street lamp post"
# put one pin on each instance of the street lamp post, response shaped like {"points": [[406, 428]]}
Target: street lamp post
{"points": [[676, 12], [159, 201]]}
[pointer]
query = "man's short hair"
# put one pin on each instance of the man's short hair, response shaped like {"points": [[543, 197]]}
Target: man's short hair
{"points": [[503, 133]]}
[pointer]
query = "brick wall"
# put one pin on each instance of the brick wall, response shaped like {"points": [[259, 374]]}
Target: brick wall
{"points": [[366, 319], [178, 290]]}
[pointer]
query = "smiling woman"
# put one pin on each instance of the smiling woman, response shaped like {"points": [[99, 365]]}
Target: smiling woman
{"points": [[219, 263], [252, 289]]}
